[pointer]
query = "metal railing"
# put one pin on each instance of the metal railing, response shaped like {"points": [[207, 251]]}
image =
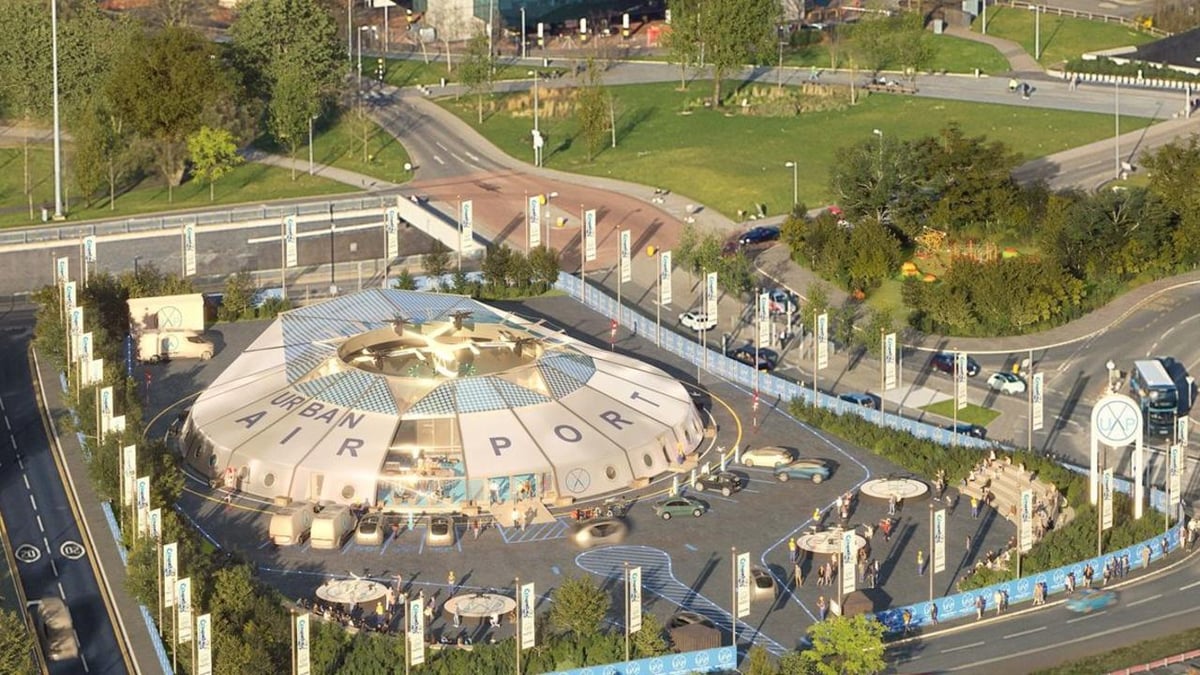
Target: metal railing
{"points": [[1080, 14]]}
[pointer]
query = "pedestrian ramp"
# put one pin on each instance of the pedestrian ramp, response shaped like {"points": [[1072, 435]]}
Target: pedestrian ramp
{"points": [[658, 578]]}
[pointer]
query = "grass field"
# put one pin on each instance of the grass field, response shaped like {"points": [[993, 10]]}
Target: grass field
{"points": [[732, 162], [1062, 37], [340, 144], [972, 414], [952, 55], [247, 183]]}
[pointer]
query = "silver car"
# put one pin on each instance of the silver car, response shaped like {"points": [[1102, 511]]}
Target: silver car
{"points": [[768, 455]]}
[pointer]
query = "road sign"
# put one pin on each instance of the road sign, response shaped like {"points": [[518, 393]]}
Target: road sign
{"points": [[28, 553], [71, 550]]}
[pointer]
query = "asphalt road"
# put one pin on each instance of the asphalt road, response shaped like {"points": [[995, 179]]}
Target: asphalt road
{"points": [[40, 522]]}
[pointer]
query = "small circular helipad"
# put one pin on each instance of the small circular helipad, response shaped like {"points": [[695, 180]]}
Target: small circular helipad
{"points": [[900, 487], [828, 542]]}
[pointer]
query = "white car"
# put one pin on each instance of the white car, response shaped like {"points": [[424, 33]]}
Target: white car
{"points": [[770, 456], [698, 321], [1006, 383]]}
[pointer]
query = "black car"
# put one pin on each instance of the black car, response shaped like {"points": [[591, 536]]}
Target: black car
{"points": [[968, 429], [944, 361], [725, 482], [766, 359], [759, 235]]}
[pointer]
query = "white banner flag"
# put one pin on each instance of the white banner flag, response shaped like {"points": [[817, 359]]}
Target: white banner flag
{"points": [[528, 613], [626, 256], [1106, 492], [939, 541], [69, 293], [960, 380], [848, 563], [183, 605], [1181, 431], [189, 249], [128, 474], [466, 223], [117, 425], [76, 319], [156, 524], [391, 227], [533, 221], [89, 249], [763, 319], [415, 633], [711, 294], [86, 347], [822, 340], [1174, 476], [170, 571], [743, 585], [1025, 538], [290, 257], [95, 371], [664, 276], [62, 270], [204, 644], [106, 410], [1037, 395], [633, 583], [303, 660], [889, 362], [589, 235], [142, 495]]}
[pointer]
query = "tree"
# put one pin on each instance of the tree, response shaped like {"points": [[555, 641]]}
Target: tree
{"points": [[579, 607], [650, 640], [591, 109], [682, 38], [25, 64], [164, 84], [214, 154], [915, 50], [476, 70], [846, 646], [759, 662], [295, 101], [271, 36], [870, 338], [737, 32], [872, 40], [89, 162], [544, 267], [436, 263], [238, 300], [16, 645], [405, 281]]}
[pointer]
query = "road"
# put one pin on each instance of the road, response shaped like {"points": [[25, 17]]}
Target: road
{"points": [[39, 517]]}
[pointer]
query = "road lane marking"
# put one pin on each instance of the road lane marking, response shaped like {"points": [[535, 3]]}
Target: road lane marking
{"points": [[6, 424], [61, 592], [54, 567], [438, 160], [439, 144], [33, 501], [1191, 585], [26, 477], [47, 543], [962, 647], [472, 156], [1025, 632], [1138, 602], [1090, 615], [40, 527]]}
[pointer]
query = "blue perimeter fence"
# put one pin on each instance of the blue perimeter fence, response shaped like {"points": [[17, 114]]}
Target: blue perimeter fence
{"points": [[949, 607], [719, 659]]}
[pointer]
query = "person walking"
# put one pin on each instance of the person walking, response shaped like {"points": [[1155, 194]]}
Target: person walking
{"points": [[450, 581], [975, 507], [792, 550], [980, 605], [998, 598], [907, 616], [920, 563], [822, 608], [892, 505], [933, 614], [817, 515], [798, 574]]}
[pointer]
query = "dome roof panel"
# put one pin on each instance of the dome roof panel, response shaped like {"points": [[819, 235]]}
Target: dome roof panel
{"points": [[440, 401]]}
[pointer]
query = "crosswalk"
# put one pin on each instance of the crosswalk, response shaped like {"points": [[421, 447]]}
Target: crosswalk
{"points": [[658, 579], [555, 529]]}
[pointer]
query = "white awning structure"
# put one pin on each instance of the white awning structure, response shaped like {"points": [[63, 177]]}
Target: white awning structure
{"points": [[433, 402]]}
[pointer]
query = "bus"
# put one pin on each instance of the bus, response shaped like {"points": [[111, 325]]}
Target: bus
{"points": [[1154, 390]]}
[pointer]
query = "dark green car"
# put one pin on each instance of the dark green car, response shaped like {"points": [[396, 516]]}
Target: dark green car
{"points": [[679, 506]]}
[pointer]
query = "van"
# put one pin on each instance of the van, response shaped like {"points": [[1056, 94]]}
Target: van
{"points": [[164, 345], [55, 628], [291, 526], [332, 526]]}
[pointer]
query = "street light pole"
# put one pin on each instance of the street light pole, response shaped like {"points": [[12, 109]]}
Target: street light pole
{"points": [[58, 201], [349, 31], [1117, 135], [524, 40], [332, 254], [795, 167]]}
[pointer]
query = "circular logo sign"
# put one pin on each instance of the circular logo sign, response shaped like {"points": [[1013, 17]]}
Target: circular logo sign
{"points": [[1116, 420], [28, 553], [71, 550]]}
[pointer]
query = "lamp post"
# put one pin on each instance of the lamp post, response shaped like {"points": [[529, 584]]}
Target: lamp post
{"points": [[349, 31], [795, 167], [656, 253], [361, 30], [523, 38], [1037, 32], [1117, 134], [332, 254], [58, 201], [537, 135]]}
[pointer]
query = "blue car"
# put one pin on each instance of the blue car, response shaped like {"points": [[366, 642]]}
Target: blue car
{"points": [[803, 469], [1090, 600], [759, 235]]}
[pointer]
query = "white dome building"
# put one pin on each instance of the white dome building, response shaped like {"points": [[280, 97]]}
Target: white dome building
{"points": [[432, 402]]}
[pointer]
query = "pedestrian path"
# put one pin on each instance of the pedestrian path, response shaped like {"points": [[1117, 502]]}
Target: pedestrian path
{"points": [[1019, 60], [359, 180]]}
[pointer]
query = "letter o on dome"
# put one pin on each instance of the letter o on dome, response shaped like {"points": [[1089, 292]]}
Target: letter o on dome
{"points": [[568, 433]]}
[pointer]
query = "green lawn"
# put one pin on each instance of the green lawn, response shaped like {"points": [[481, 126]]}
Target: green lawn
{"points": [[341, 145], [247, 183], [411, 72], [972, 414], [1126, 657], [731, 163], [1063, 38]]}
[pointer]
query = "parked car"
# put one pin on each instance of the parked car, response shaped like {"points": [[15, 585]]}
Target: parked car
{"points": [[1006, 383], [764, 360], [440, 532], [725, 482], [944, 361], [968, 429], [768, 455], [781, 300], [759, 235], [804, 469], [370, 530], [698, 321], [1090, 600], [600, 532], [863, 399], [679, 506], [687, 618]]}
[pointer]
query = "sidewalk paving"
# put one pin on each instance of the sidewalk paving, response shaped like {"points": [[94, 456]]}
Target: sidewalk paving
{"points": [[1019, 60]]}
